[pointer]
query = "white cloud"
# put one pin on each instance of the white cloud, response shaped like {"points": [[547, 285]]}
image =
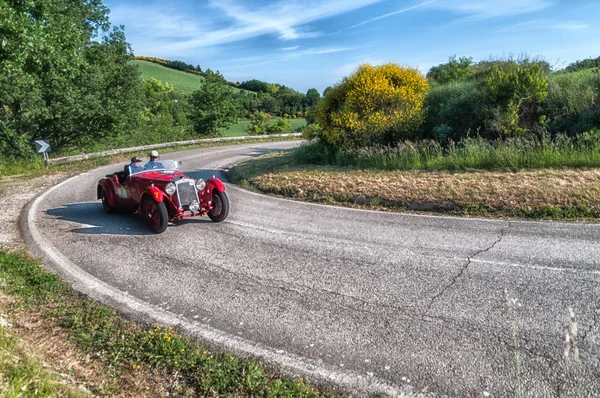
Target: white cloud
{"points": [[484, 9], [570, 26], [543, 24], [287, 18], [163, 30], [292, 55], [401, 11], [290, 48]]}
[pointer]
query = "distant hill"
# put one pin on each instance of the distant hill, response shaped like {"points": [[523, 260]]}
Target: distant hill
{"points": [[182, 82]]}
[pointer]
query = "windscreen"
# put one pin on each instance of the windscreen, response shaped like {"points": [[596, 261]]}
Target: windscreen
{"points": [[167, 165]]}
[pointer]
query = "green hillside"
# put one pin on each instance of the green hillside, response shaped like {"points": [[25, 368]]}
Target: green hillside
{"points": [[181, 81]]}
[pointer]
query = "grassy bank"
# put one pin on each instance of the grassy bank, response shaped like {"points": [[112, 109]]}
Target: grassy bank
{"points": [[536, 194], [470, 153], [128, 353]]}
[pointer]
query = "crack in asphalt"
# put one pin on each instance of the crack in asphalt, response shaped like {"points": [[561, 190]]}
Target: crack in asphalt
{"points": [[588, 330], [462, 270]]}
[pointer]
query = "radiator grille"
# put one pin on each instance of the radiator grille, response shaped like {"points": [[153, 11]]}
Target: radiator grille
{"points": [[186, 192]]}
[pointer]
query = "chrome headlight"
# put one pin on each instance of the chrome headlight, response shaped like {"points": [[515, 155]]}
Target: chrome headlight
{"points": [[194, 206], [200, 184], [170, 188]]}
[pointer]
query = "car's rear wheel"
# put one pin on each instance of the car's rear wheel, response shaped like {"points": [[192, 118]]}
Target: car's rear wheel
{"points": [[105, 203], [220, 204], [156, 215]]}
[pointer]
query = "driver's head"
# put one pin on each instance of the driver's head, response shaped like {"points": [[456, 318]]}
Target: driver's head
{"points": [[135, 159], [154, 155]]}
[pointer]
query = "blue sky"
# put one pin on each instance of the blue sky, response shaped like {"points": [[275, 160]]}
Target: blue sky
{"points": [[311, 43]]}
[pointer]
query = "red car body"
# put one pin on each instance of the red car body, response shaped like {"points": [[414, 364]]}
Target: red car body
{"points": [[147, 192]]}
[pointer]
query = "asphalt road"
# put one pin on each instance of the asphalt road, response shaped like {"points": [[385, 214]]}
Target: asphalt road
{"points": [[457, 307]]}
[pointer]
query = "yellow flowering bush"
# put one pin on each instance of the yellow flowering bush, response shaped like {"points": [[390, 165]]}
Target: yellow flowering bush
{"points": [[375, 105]]}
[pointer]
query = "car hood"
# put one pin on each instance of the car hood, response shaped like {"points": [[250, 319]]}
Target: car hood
{"points": [[160, 176]]}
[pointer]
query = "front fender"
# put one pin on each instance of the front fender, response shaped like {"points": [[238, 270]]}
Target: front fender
{"points": [[156, 193], [215, 183]]}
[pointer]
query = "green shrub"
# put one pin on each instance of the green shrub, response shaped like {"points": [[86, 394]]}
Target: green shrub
{"points": [[454, 71], [573, 101], [258, 123], [312, 131], [513, 95], [454, 105], [281, 126]]}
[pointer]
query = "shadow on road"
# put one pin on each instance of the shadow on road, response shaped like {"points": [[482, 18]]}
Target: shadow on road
{"points": [[95, 221]]}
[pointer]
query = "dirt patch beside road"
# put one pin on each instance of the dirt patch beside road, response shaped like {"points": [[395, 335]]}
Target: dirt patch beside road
{"points": [[539, 194], [15, 193]]}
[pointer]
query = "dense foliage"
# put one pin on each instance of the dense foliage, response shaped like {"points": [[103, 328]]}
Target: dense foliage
{"points": [[276, 99], [584, 64], [376, 105], [513, 98], [212, 107], [58, 83]]}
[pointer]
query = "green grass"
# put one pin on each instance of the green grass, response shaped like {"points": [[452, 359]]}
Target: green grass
{"points": [[23, 375], [240, 128], [125, 346], [182, 82], [470, 153]]}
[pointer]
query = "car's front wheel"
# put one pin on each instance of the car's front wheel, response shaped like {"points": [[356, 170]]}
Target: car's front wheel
{"points": [[220, 206], [105, 204], [156, 215]]}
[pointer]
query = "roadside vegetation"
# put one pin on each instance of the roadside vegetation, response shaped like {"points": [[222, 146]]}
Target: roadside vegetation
{"points": [[27, 168], [499, 137], [130, 360], [101, 97]]}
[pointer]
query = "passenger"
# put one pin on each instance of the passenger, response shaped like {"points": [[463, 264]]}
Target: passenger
{"points": [[131, 168], [134, 167], [154, 163]]}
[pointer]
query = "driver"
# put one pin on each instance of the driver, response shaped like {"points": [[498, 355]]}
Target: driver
{"points": [[154, 163]]}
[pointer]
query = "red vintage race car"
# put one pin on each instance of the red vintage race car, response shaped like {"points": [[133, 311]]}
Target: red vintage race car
{"points": [[162, 193]]}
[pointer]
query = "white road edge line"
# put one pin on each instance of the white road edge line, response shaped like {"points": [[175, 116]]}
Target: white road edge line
{"points": [[107, 294], [413, 215]]}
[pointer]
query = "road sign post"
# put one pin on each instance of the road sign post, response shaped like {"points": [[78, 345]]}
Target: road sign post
{"points": [[43, 146]]}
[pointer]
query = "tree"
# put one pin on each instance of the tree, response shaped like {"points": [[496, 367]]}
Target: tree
{"points": [[327, 90], [313, 97], [588, 63], [58, 83], [453, 71], [269, 104], [213, 106], [376, 105]]}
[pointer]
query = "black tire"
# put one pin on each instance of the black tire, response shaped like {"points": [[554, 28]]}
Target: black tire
{"points": [[220, 210], [105, 205], [156, 215]]}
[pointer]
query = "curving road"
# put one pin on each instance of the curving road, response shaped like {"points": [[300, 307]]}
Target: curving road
{"points": [[446, 306]]}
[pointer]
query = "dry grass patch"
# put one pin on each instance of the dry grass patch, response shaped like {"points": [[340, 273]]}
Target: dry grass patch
{"points": [[548, 193]]}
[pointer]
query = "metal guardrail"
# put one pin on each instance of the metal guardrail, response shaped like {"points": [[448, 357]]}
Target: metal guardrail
{"points": [[76, 158]]}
